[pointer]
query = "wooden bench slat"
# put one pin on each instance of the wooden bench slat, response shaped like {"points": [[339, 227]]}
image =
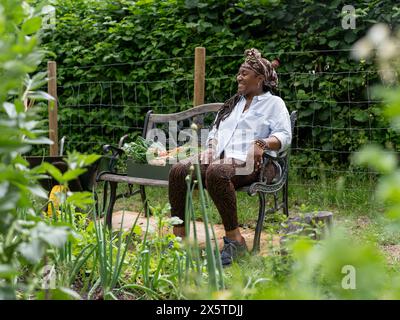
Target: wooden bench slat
{"points": [[145, 182], [183, 115], [133, 180]]}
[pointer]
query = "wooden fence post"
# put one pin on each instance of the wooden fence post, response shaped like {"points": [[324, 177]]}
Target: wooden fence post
{"points": [[52, 106], [199, 75]]}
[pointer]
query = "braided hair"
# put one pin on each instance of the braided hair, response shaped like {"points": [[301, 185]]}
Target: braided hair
{"points": [[259, 65]]}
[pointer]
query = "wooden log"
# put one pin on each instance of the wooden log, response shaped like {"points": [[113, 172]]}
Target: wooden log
{"points": [[308, 224], [52, 107]]}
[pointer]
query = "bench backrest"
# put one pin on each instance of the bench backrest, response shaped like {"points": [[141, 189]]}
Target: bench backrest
{"points": [[203, 115]]}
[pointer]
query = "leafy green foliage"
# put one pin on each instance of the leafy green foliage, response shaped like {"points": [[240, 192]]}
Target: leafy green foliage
{"points": [[316, 271], [24, 238], [137, 149], [383, 160]]}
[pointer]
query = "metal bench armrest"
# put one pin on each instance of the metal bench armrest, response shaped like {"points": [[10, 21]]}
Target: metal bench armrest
{"points": [[122, 140], [279, 156], [115, 153], [280, 162], [113, 149]]}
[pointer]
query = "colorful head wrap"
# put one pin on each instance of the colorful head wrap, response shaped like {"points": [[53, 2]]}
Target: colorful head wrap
{"points": [[262, 66]]}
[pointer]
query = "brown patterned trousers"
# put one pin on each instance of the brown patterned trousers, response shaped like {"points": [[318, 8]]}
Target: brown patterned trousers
{"points": [[221, 183]]}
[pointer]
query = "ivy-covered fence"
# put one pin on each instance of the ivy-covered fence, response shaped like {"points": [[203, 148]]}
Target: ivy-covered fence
{"points": [[118, 59]]}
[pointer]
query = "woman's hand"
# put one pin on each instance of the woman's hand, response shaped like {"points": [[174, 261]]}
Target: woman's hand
{"points": [[207, 156], [255, 153]]}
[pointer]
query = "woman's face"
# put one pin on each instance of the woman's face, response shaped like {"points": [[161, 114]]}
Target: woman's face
{"points": [[248, 81]]}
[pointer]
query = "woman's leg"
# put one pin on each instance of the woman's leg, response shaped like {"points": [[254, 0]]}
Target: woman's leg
{"points": [[177, 189], [222, 183], [222, 191]]}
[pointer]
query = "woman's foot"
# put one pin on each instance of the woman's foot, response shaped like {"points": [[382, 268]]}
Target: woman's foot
{"points": [[232, 250], [235, 235], [234, 246]]}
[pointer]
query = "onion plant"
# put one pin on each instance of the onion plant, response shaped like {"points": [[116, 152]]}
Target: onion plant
{"points": [[110, 263], [213, 259]]}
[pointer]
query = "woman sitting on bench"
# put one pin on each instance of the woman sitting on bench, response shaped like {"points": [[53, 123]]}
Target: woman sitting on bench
{"points": [[250, 122]]}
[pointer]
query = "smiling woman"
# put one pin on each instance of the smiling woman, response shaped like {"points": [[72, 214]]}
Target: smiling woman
{"points": [[249, 123]]}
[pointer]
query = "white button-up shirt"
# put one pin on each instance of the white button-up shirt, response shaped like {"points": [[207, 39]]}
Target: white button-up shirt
{"points": [[266, 116]]}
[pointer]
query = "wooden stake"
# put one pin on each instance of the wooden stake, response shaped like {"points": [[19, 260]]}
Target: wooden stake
{"points": [[52, 106], [199, 75]]}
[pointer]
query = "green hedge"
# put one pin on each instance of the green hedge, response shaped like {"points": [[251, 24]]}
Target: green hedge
{"points": [[98, 41]]}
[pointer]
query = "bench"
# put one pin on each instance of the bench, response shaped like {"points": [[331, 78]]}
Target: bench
{"points": [[203, 116]]}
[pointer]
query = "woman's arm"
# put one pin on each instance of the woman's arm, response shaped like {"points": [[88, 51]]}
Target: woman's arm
{"points": [[281, 131], [271, 143], [211, 138], [259, 146], [211, 144], [207, 156], [280, 135]]}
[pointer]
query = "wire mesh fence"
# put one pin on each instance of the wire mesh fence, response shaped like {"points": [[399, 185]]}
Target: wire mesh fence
{"points": [[337, 113]]}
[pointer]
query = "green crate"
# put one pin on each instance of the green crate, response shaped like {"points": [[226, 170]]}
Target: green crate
{"points": [[147, 171]]}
